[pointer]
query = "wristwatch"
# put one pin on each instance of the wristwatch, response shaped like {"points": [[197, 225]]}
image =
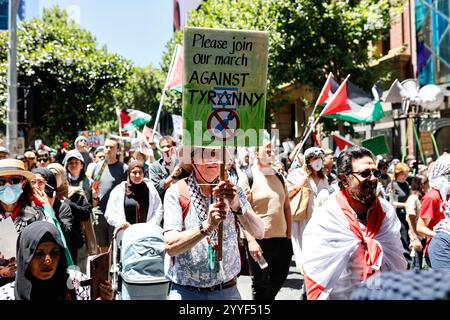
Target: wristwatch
{"points": [[239, 212], [202, 229]]}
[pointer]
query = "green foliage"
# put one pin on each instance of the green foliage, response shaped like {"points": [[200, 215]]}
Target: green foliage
{"points": [[75, 78], [143, 91], [307, 38]]}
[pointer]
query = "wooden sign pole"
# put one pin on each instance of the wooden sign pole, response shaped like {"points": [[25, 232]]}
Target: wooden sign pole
{"points": [[220, 231]]}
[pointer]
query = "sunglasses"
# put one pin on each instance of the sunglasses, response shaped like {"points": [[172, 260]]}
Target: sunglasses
{"points": [[43, 159], [366, 173], [11, 181]]}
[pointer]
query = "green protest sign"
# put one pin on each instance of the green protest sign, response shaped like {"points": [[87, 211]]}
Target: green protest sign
{"points": [[377, 145], [224, 87]]}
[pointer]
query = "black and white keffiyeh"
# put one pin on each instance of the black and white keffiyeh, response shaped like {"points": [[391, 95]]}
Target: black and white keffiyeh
{"points": [[199, 201]]}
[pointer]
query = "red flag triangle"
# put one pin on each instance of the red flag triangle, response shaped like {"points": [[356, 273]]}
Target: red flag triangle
{"points": [[328, 90], [124, 118], [341, 142], [176, 73], [339, 102]]}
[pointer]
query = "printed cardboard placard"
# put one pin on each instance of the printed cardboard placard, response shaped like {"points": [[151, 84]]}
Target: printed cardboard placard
{"points": [[224, 87]]}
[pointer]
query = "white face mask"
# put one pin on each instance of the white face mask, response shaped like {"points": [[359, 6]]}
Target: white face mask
{"points": [[317, 164], [169, 155]]}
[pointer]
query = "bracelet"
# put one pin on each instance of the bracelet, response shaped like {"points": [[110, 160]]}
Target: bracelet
{"points": [[238, 212], [202, 229]]}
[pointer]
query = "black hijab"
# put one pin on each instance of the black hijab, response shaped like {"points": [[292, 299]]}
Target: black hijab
{"points": [[138, 192], [27, 287], [48, 175]]}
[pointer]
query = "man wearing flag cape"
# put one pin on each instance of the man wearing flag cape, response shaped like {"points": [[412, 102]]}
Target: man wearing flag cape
{"points": [[353, 235]]}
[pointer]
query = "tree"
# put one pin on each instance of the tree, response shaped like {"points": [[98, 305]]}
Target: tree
{"points": [[307, 38], [143, 91], [74, 79]]}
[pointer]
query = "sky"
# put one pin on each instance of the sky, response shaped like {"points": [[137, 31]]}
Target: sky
{"points": [[135, 29]]}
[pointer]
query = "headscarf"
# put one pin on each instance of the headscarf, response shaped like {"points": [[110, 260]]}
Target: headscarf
{"points": [[138, 192], [27, 287], [437, 175], [48, 175], [58, 170]]}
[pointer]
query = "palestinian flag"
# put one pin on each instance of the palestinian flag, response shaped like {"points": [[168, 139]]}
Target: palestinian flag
{"points": [[130, 119], [341, 144], [328, 90], [352, 104], [316, 141], [175, 76]]}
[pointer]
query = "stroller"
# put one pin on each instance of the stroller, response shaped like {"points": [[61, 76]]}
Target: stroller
{"points": [[139, 273]]}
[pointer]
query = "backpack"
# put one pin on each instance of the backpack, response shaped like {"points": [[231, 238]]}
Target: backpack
{"points": [[184, 197], [248, 172]]}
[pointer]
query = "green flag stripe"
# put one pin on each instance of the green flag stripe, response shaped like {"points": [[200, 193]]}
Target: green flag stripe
{"points": [[355, 117]]}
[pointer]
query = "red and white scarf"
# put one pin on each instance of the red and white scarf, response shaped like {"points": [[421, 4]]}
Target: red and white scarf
{"points": [[333, 235]]}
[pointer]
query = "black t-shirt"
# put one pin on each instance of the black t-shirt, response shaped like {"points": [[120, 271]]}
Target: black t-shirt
{"points": [[113, 175], [402, 190]]}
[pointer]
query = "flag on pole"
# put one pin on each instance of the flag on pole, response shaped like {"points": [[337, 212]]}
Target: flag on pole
{"points": [[175, 76], [316, 141], [130, 119], [147, 133], [341, 144], [328, 90], [352, 104]]}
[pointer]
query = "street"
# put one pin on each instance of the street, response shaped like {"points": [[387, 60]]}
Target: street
{"points": [[291, 289]]}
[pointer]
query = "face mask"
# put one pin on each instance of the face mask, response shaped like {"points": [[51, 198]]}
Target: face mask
{"points": [[317, 164], [10, 194], [168, 154]]}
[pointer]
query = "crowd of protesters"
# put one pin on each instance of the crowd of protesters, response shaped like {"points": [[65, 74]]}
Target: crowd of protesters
{"points": [[343, 218]]}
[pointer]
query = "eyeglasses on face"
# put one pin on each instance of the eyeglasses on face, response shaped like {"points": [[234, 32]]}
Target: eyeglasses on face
{"points": [[42, 159], [366, 173], [11, 180]]}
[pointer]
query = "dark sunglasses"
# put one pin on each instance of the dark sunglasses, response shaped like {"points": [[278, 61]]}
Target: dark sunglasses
{"points": [[43, 159], [366, 173], [11, 181]]}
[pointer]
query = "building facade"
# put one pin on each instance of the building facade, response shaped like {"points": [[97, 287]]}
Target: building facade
{"points": [[417, 47]]}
